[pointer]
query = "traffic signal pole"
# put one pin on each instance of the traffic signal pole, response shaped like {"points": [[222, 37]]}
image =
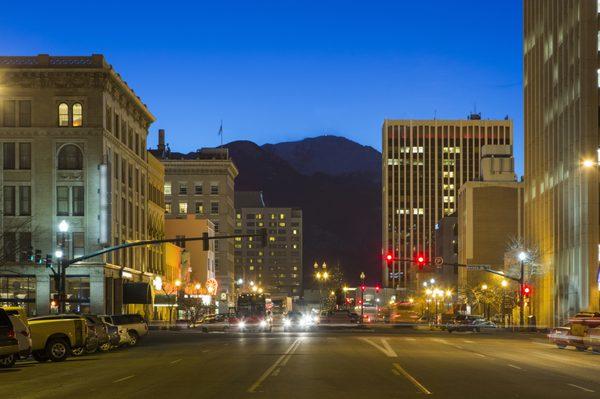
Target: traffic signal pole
{"points": [[63, 263], [522, 296]]}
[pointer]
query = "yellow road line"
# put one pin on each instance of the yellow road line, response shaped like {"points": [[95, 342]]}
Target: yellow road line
{"points": [[412, 379], [270, 370]]}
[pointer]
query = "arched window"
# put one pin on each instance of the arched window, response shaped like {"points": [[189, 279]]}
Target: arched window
{"points": [[63, 114], [77, 115], [70, 158]]}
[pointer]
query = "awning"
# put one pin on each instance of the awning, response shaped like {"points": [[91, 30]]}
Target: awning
{"points": [[160, 299], [137, 293]]}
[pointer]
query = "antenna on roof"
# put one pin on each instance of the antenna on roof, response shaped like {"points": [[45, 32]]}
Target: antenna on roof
{"points": [[435, 114], [221, 131]]}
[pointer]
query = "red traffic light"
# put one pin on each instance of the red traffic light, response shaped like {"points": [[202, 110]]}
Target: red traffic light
{"points": [[389, 258], [377, 288], [526, 290], [363, 288], [420, 259]]}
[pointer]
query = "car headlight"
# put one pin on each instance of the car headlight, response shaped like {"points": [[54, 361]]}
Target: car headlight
{"points": [[241, 324], [287, 322], [263, 323]]}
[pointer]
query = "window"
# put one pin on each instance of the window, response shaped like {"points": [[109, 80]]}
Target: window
{"points": [[78, 244], [167, 188], [183, 207], [24, 155], [25, 200], [19, 291], [70, 158], [78, 201], [63, 114], [24, 244], [108, 119], [25, 113], [9, 113], [294, 232], [77, 115], [216, 224], [168, 208], [9, 200], [62, 201], [10, 246], [182, 188], [214, 188], [198, 188], [199, 207], [9, 156], [214, 207]]}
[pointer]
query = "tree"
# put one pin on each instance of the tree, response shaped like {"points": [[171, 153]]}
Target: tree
{"points": [[512, 263]]}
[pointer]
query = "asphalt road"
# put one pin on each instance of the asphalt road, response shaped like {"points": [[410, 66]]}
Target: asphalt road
{"points": [[406, 364]]}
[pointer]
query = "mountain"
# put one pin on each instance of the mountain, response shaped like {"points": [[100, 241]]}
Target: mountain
{"points": [[341, 205], [330, 155]]}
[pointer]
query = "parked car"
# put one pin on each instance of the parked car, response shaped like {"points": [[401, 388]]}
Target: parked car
{"points": [[97, 337], [117, 335], [297, 321], [18, 318], [53, 337], [214, 322], [135, 325], [582, 332], [9, 345], [338, 317], [464, 322]]}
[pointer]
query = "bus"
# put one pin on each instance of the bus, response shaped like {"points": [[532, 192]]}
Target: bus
{"points": [[251, 312]]}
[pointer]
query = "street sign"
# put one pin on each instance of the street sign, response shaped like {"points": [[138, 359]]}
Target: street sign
{"points": [[439, 261], [478, 267]]}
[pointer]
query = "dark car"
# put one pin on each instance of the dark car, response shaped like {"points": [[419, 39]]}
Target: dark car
{"points": [[9, 346], [463, 322], [296, 321]]}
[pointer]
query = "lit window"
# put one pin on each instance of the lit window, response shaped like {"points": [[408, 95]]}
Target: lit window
{"points": [[168, 207], [183, 207], [418, 211], [281, 224], [281, 216], [199, 207], [448, 174], [295, 246], [63, 114], [77, 115], [272, 239], [393, 162], [168, 188], [238, 216], [417, 150], [295, 232], [449, 199], [259, 216]]}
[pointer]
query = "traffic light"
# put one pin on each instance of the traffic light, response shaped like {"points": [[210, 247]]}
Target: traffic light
{"points": [[48, 260], [205, 242], [363, 288], [377, 288], [37, 257], [29, 254], [526, 290], [389, 258], [420, 259]]}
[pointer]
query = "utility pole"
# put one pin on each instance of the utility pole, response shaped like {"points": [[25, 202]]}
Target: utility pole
{"points": [[362, 297]]}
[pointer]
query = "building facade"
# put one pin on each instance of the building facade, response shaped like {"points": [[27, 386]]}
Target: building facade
{"points": [[561, 137], [276, 268], [445, 240], [424, 164], [201, 184], [74, 149]]}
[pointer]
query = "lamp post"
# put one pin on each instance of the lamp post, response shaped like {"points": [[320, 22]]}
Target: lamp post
{"points": [[362, 296], [176, 301], [484, 288], [522, 259], [321, 277], [61, 256]]}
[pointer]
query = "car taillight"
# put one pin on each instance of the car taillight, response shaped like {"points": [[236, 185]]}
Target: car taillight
{"points": [[11, 333]]}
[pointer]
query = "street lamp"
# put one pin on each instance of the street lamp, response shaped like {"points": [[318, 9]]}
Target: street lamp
{"points": [[588, 163], [58, 253], [63, 228], [522, 258], [362, 296]]}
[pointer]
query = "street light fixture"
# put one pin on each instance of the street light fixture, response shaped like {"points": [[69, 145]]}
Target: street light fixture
{"points": [[58, 253], [588, 163], [522, 256], [63, 226], [484, 286], [504, 283]]}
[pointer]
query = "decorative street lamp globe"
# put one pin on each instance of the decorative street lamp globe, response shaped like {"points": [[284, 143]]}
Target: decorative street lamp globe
{"points": [[522, 256], [58, 253], [63, 226]]}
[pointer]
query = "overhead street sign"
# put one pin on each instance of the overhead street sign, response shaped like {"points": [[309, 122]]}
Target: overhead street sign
{"points": [[439, 261], [478, 267]]}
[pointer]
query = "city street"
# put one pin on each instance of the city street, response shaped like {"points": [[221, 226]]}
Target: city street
{"points": [[349, 364]]}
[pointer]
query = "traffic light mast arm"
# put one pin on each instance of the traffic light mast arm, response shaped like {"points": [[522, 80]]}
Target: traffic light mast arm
{"points": [[155, 242]]}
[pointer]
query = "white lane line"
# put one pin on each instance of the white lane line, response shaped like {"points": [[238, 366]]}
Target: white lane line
{"points": [[396, 372], [582, 388], [290, 350], [441, 341], [468, 341], [458, 346], [514, 367], [385, 349], [176, 361], [410, 339], [205, 350], [412, 379], [124, 378], [479, 354]]}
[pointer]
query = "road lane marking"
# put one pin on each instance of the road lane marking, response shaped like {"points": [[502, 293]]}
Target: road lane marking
{"points": [[514, 367], [176, 361], [410, 339], [582, 388], [275, 365], [440, 340], [124, 378], [468, 341], [412, 379], [385, 348], [458, 346], [479, 354], [205, 350], [396, 372]]}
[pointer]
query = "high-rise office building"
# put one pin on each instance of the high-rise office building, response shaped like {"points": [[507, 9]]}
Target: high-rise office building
{"points": [[561, 154], [424, 164]]}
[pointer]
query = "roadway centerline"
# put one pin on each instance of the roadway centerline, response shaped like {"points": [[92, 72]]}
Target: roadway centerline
{"points": [[412, 379], [124, 378], [514, 367], [582, 388], [175, 361], [278, 362]]}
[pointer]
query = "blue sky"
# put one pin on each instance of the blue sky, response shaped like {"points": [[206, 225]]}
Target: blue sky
{"points": [[283, 70]]}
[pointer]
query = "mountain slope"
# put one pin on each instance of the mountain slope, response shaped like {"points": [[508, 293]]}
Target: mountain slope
{"points": [[341, 211], [330, 155]]}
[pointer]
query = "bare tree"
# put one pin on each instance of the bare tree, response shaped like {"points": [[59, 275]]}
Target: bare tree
{"points": [[532, 264]]}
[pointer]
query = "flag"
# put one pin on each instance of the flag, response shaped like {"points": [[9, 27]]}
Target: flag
{"points": [[221, 132]]}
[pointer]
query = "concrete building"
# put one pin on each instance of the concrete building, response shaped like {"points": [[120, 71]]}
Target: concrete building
{"points": [[446, 247], [490, 218], [202, 263], [561, 132], [424, 164], [74, 149], [201, 183], [276, 268]]}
